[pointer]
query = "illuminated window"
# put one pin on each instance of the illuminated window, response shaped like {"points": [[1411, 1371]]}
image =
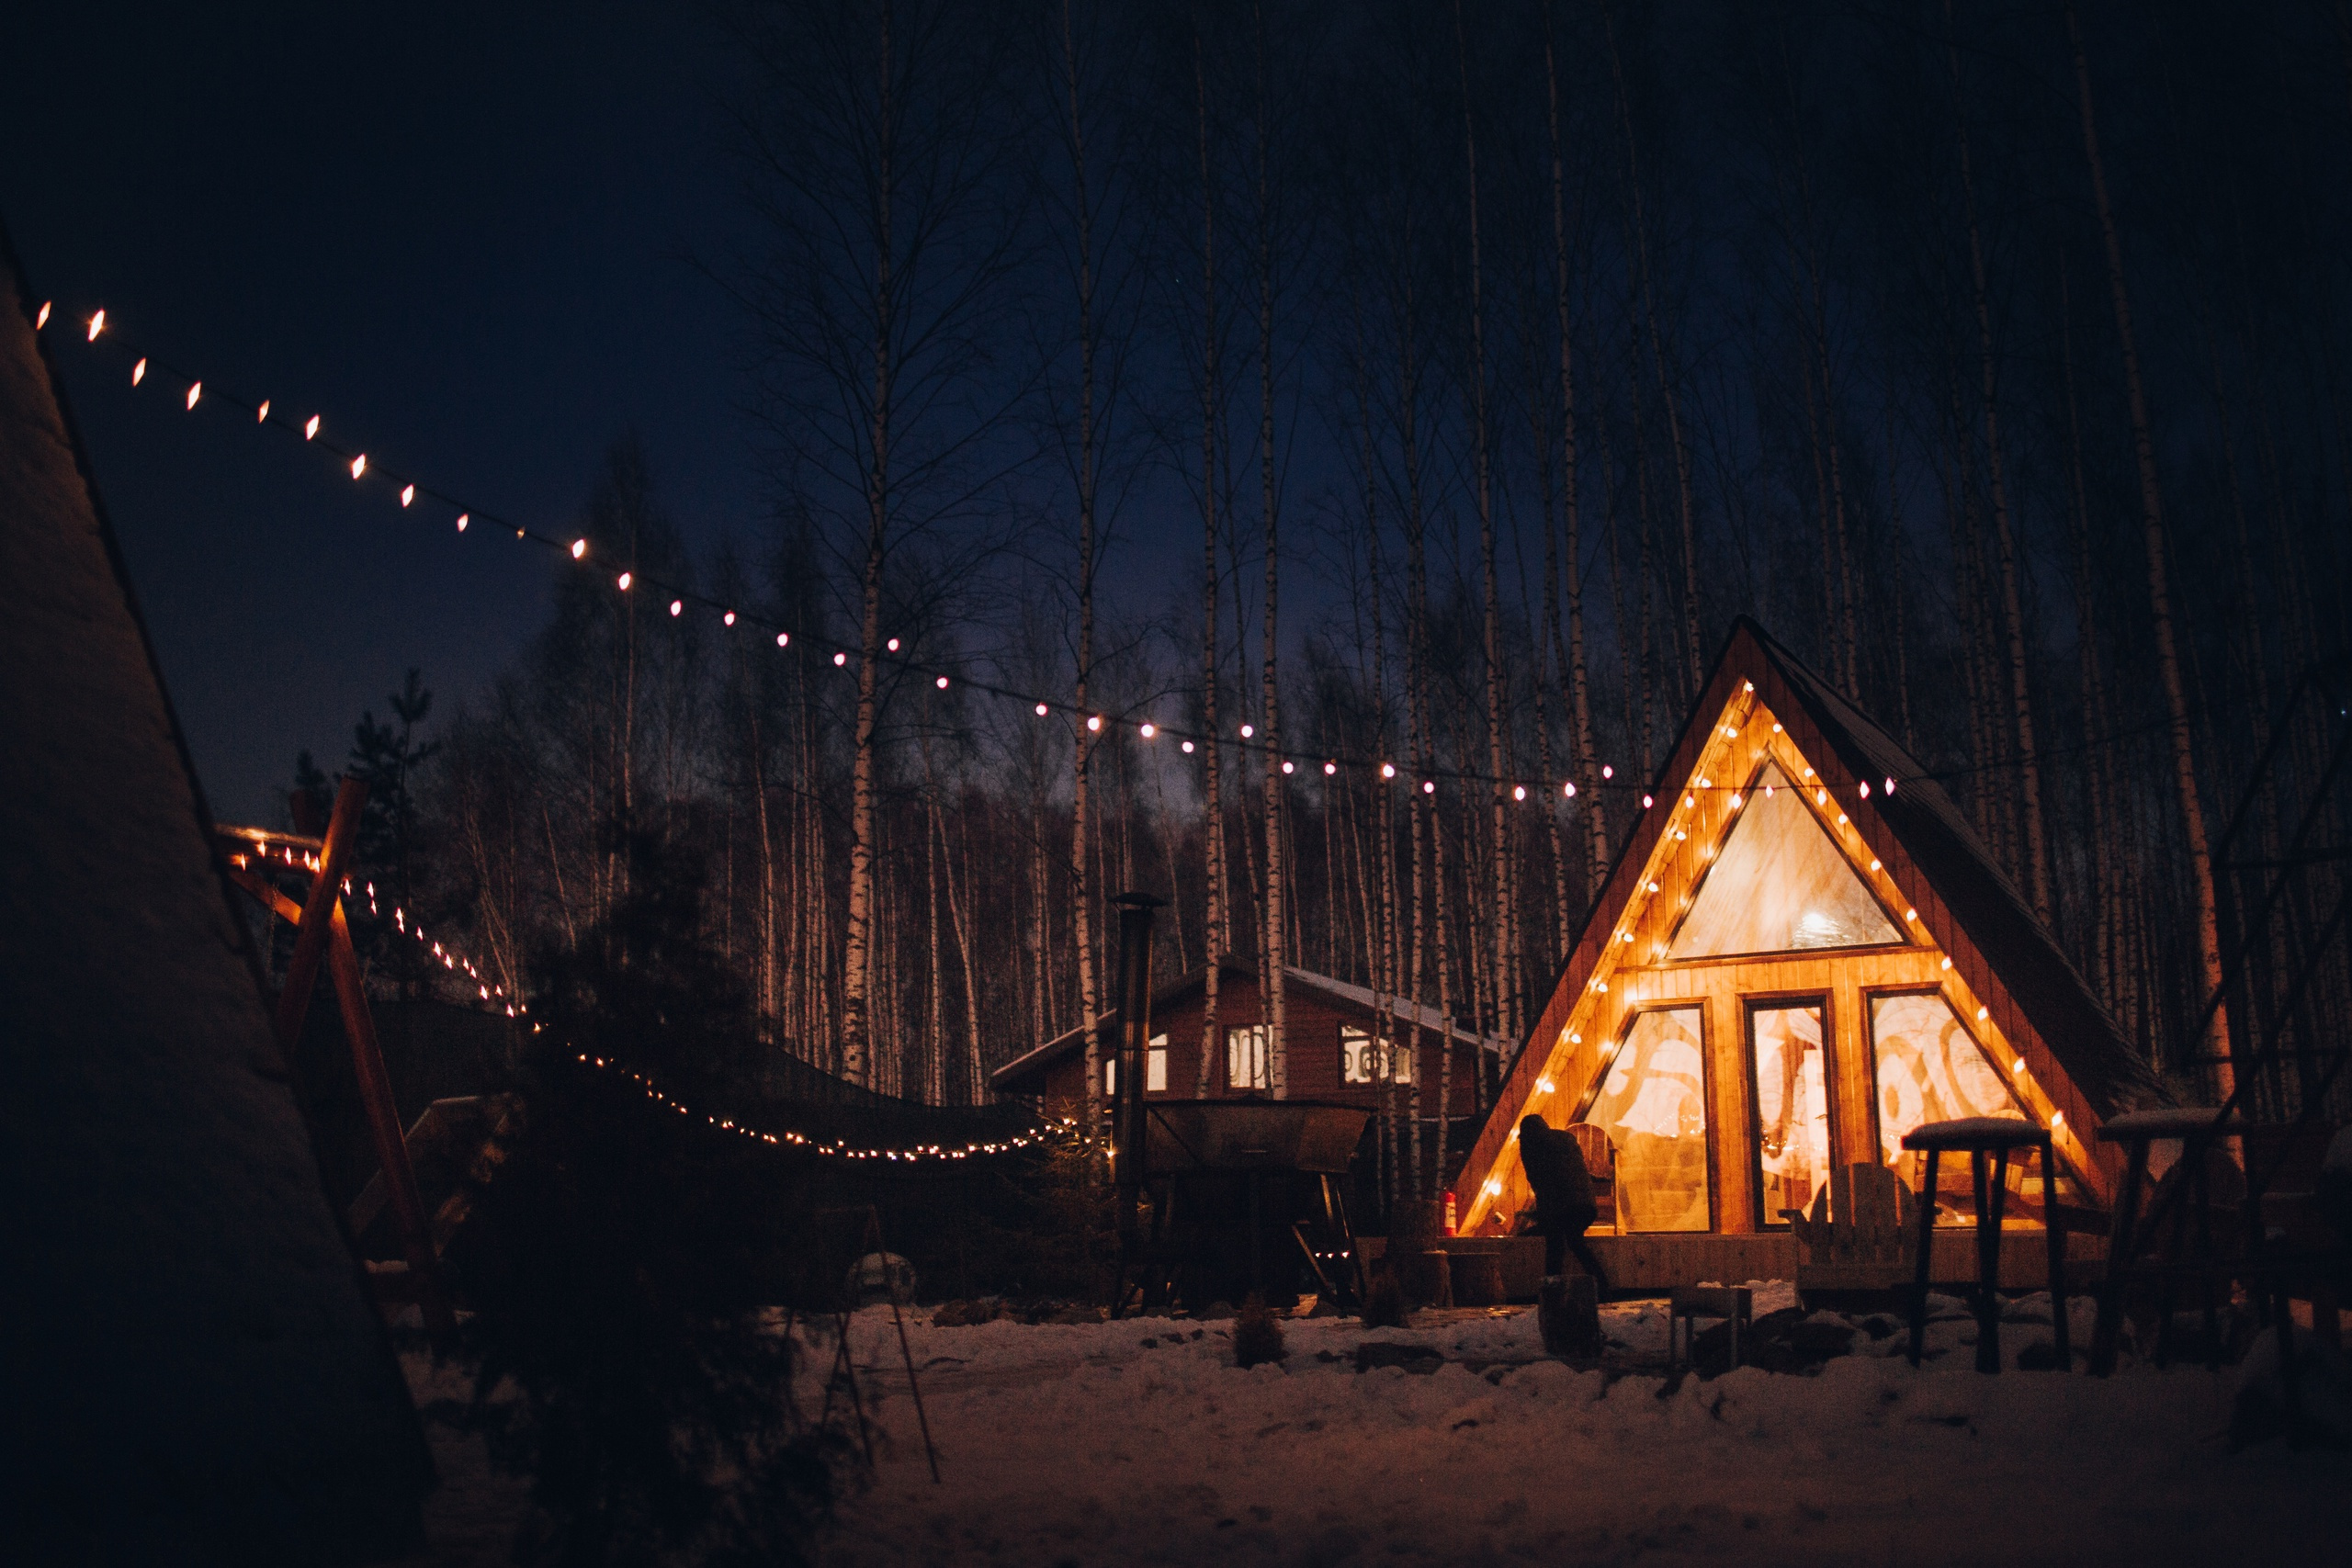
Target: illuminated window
{"points": [[1930, 1068], [1155, 1068], [1792, 1107], [1245, 1057], [1652, 1104], [1780, 885], [1359, 1063]]}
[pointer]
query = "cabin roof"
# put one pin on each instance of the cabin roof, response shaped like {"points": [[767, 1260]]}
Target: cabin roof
{"points": [[1348, 998], [1979, 895]]}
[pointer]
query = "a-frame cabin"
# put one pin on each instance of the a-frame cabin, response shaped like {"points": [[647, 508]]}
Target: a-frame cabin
{"points": [[1802, 951]]}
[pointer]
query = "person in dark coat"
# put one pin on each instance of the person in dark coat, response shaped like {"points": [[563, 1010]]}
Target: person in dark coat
{"points": [[1563, 1203]]}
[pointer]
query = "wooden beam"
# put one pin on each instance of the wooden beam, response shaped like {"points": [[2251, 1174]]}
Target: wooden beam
{"points": [[311, 930]]}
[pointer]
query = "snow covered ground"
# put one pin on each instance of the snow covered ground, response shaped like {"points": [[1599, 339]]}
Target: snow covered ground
{"points": [[1140, 1442]]}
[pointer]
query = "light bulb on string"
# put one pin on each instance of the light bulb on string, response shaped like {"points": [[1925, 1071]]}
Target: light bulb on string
{"points": [[1041, 710], [40, 320], [1330, 768], [260, 414], [1428, 786], [1519, 792], [1248, 730], [195, 391], [1607, 772], [941, 682], [1188, 747], [1568, 790], [139, 371], [1093, 721], [310, 428], [97, 325], [727, 619], [1646, 803], [784, 639], [841, 660], [408, 495], [579, 549], [1286, 768], [677, 608], [1147, 729], [359, 465], [625, 580]]}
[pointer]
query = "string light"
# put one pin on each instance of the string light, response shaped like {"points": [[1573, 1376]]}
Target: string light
{"points": [[784, 639], [941, 682], [41, 319], [727, 619], [1041, 710], [838, 1148], [1288, 762], [138, 373], [1094, 721]]}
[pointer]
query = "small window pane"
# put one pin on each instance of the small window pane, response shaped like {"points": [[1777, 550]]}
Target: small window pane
{"points": [[1155, 1065], [1780, 885], [1930, 1068], [1110, 1075], [1792, 1107], [1245, 1057], [1652, 1104], [1360, 1063]]}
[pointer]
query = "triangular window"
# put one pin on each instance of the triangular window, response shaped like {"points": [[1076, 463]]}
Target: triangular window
{"points": [[1780, 885]]}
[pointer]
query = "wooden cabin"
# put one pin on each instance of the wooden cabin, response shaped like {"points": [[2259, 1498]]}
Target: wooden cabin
{"points": [[1336, 1048], [1802, 952]]}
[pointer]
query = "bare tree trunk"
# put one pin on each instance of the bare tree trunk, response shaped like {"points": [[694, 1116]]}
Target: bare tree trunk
{"points": [[1583, 767], [1270, 988], [2184, 766], [1491, 584], [2037, 853], [1084, 734], [1691, 648], [1212, 806]]}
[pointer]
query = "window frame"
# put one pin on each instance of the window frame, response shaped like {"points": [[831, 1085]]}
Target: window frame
{"points": [[1750, 1004], [1622, 1036], [1264, 1063]]}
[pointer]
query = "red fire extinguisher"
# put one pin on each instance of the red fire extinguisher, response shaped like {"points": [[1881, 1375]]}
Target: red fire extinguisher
{"points": [[1449, 1210]]}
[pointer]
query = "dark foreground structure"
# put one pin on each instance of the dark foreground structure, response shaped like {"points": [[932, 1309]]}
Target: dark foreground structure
{"points": [[192, 1372]]}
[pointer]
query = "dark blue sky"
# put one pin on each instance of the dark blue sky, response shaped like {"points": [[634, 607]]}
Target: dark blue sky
{"points": [[462, 233]]}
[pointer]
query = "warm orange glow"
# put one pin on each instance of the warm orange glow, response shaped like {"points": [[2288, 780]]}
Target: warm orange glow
{"points": [[260, 415], [359, 465], [195, 391], [97, 325], [139, 371], [625, 579], [41, 319], [408, 494], [464, 518], [311, 429], [579, 549]]}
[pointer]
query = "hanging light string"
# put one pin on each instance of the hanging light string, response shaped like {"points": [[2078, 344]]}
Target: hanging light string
{"points": [[367, 469], [839, 1148], [293, 851]]}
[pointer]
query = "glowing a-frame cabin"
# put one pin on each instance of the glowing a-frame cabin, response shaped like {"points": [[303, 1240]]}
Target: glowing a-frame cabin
{"points": [[1802, 952]]}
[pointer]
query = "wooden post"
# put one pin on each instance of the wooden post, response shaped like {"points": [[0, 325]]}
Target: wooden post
{"points": [[1134, 1037], [310, 930]]}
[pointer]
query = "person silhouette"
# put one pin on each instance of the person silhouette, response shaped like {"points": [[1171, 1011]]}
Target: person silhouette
{"points": [[1564, 1201]]}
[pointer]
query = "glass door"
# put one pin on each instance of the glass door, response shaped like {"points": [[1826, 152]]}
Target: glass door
{"points": [[1790, 1053]]}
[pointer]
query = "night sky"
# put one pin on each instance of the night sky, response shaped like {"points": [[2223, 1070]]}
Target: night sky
{"points": [[466, 236]]}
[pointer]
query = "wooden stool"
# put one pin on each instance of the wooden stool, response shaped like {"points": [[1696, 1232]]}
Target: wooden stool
{"points": [[1984, 1137], [2198, 1127], [1735, 1302]]}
